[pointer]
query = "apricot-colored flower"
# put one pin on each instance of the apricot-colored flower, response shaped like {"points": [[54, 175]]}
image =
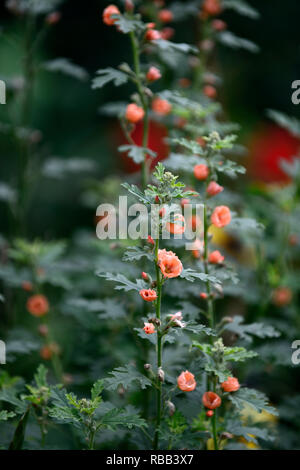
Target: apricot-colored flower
{"points": [[161, 106], [215, 257], [214, 188], [165, 16], [149, 328], [201, 171], [152, 35], [221, 216], [177, 226], [170, 265], [186, 381], [134, 113], [282, 296], [148, 294], [153, 74], [108, 12], [210, 91], [211, 400], [47, 351], [230, 385], [37, 305], [212, 7]]}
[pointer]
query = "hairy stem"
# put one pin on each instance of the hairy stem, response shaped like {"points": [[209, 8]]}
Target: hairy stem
{"points": [[159, 347], [144, 101]]}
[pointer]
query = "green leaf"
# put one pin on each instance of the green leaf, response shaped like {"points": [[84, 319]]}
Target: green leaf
{"points": [[123, 283], [237, 354], [107, 75], [229, 168], [245, 331], [5, 415], [197, 328], [7, 193], [231, 40], [131, 188], [289, 123], [19, 434], [190, 145], [122, 417], [41, 376], [126, 24], [190, 275], [97, 389], [168, 46], [241, 7], [126, 376], [66, 67], [250, 433], [253, 398], [137, 153], [135, 253], [246, 225], [59, 168]]}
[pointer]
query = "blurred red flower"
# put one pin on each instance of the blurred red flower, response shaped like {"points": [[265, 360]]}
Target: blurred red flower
{"points": [[267, 147]]}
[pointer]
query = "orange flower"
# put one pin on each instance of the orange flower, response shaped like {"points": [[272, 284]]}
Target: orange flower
{"points": [[152, 35], [178, 226], [148, 294], [211, 400], [108, 12], [134, 113], [153, 74], [201, 172], [210, 91], [203, 295], [161, 106], [221, 216], [212, 7], [170, 265], [214, 188], [215, 257], [186, 381], [149, 328], [282, 296], [165, 16], [47, 351], [230, 385], [37, 305]]}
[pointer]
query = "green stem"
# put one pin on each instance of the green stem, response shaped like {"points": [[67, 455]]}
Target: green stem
{"points": [[144, 101], [159, 348], [214, 430], [24, 122], [211, 316]]}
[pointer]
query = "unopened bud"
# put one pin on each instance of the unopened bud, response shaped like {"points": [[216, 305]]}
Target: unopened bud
{"points": [[160, 375], [145, 276], [227, 320], [147, 366], [129, 6], [171, 407]]}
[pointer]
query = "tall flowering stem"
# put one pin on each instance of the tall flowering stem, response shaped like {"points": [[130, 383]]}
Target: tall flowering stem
{"points": [[144, 101], [159, 282]]}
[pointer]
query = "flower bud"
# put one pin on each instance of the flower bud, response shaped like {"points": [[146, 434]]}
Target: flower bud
{"points": [[160, 375], [171, 407]]}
